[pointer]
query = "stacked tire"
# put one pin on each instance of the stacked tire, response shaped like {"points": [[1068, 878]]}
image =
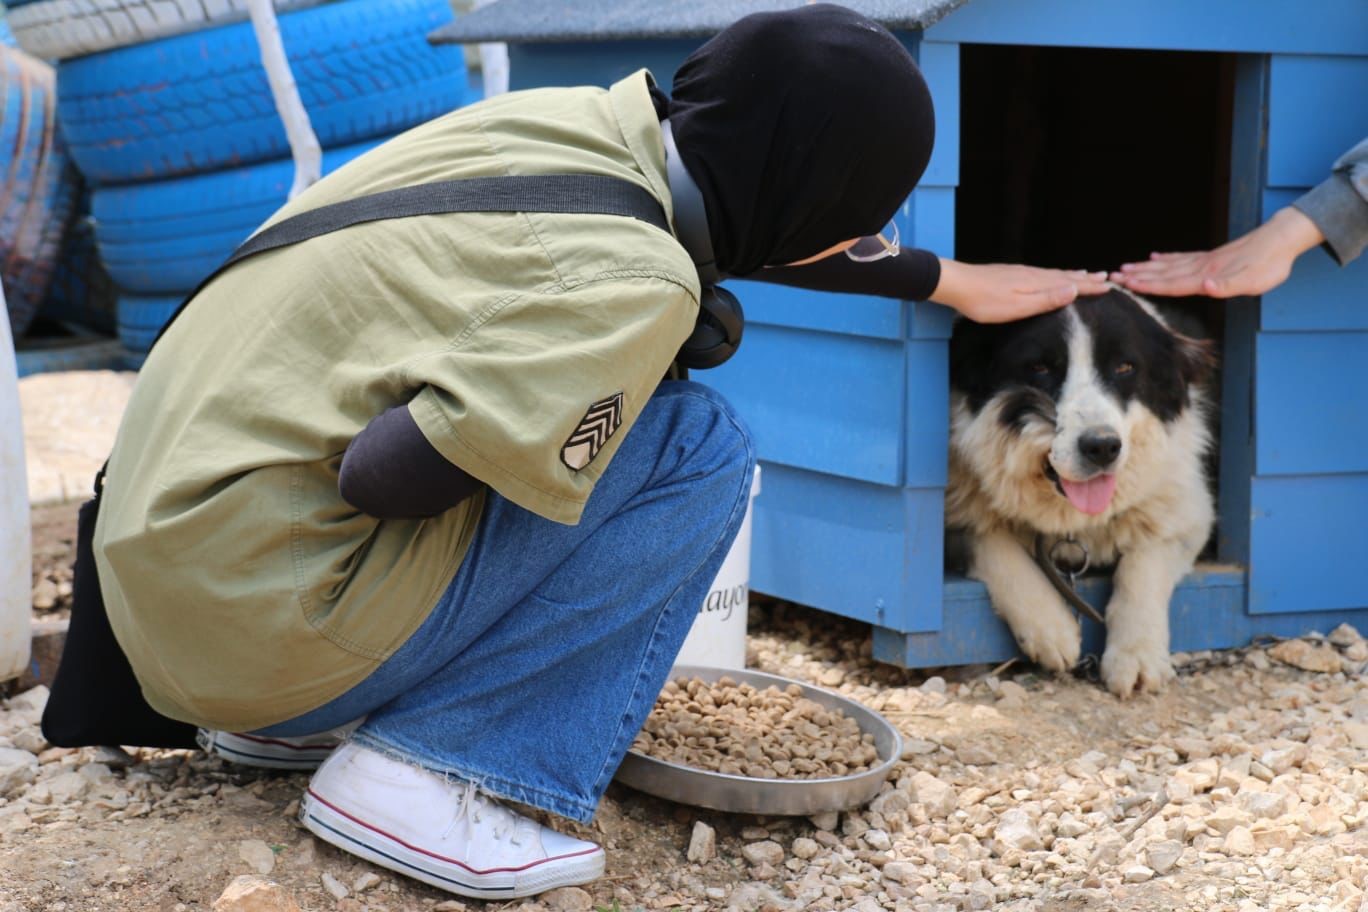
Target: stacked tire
{"points": [[37, 186], [167, 112]]}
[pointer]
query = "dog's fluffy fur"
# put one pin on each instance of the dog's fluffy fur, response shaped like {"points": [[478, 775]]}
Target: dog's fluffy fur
{"points": [[1030, 401]]}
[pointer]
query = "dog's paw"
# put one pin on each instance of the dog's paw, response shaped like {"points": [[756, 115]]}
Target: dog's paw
{"points": [[1053, 641], [1136, 668]]}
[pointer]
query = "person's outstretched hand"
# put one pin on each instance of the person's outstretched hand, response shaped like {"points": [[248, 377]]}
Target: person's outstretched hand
{"points": [[1250, 265], [1000, 293]]}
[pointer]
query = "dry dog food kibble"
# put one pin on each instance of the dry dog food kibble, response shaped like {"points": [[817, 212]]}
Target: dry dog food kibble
{"points": [[733, 728]]}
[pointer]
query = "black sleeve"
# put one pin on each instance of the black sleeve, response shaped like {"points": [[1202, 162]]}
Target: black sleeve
{"points": [[390, 471], [912, 275]]}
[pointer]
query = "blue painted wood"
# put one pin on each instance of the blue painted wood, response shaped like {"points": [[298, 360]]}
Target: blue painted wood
{"points": [[1206, 613], [933, 220], [1320, 295], [595, 62], [1236, 447], [1325, 27], [855, 315], [819, 401], [927, 414], [93, 353], [940, 65], [855, 549], [1311, 400], [1308, 543], [1318, 109]]}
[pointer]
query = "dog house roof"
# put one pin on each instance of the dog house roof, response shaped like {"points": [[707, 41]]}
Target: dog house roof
{"points": [[565, 20]]}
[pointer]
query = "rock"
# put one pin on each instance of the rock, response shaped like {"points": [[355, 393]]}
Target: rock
{"points": [[918, 747], [1016, 831], [832, 677], [1308, 657], [878, 840], [804, 848], [1162, 856], [336, 889], [890, 802], [933, 685], [1271, 837], [1200, 775], [826, 821], [902, 872], [29, 739], [1011, 694], [1192, 748], [68, 786], [116, 758], [17, 768], [31, 701], [450, 905], [258, 855], [97, 772], [749, 897], [1264, 804], [754, 833], [365, 881], [975, 755], [1227, 819], [1357, 733], [1258, 659], [767, 851], [702, 843], [938, 798], [1344, 635], [1280, 760], [567, 899], [1239, 841], [250, 893], [1137, 874]]}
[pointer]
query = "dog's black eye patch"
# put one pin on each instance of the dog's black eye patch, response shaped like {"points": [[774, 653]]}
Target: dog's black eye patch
{"points": [[1028, 358], [1137, 357]]}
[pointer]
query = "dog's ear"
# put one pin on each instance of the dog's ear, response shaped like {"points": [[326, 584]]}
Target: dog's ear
{"points": [[1196, 358], [971, 350]]}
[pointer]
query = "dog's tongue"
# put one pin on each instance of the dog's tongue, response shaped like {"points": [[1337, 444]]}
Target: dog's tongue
{"points": [[1091, 496]]}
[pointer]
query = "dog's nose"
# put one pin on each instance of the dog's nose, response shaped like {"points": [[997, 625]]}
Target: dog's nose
{"points": [[1100, 447]]}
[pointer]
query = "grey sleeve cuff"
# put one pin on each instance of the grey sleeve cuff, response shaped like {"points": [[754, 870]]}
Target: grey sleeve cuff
{"points": [[1340, 214]]}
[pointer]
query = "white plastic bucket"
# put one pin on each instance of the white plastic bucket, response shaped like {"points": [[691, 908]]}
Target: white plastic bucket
{"points": [[16, 584], [718, 635]]}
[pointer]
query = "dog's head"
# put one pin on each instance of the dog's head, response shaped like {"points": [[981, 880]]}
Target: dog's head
{"points": [[1067, 415]]}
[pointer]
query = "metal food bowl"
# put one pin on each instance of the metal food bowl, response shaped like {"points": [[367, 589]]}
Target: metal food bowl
{"points": [[745, 795]]}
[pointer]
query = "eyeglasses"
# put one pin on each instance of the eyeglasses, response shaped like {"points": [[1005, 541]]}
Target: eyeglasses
{"points": [[875, 246]]}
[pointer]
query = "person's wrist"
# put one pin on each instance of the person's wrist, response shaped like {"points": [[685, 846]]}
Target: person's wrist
{"points": [[1296, 232], [947, 290]]}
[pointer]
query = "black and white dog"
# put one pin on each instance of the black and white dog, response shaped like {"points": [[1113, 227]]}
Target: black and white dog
{"points": [[1088, 423]]}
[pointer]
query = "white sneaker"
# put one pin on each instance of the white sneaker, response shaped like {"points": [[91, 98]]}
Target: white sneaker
{"points": [[305, 752], [442, 832]]}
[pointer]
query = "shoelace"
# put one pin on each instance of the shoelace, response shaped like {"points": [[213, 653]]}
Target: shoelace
{"points": [[475, 807]]}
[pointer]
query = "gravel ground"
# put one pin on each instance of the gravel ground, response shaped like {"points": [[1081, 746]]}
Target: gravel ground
{"points": [[1244, 787]]}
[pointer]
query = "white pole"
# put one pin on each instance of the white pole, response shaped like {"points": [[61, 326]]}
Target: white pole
{"points": [[308, 154], [16, 561], [493, 62]]}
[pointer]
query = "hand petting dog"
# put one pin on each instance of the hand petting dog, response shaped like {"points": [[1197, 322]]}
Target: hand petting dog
{"points": [[1001, 293]]}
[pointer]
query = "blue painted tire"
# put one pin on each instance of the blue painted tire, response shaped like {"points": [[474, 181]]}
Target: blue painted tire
{"points": [[37, 186], [201, 101], [142, 317], [165, 237], [81, 293]]}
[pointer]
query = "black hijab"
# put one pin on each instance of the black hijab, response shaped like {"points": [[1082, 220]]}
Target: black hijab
{"points": [[802, 129]]}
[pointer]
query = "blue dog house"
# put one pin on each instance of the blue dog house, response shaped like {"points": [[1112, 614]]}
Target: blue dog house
{"points": [[1069, 133]]}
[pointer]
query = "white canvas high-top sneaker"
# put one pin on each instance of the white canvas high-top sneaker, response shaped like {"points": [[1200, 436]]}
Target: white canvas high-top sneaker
{"points": [[442, 832]]}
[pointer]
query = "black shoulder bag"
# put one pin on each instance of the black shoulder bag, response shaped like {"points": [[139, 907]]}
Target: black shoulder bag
{"points": [[95, 698]]}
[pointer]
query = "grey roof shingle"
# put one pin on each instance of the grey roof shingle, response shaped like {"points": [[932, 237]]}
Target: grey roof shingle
{"points": [[614, 20]]}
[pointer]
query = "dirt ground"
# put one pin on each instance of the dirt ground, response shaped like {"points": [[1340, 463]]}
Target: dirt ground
{"points": [[1014, 793]]}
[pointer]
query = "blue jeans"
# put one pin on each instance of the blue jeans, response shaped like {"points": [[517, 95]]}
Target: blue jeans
{"points": [[540, 662]]}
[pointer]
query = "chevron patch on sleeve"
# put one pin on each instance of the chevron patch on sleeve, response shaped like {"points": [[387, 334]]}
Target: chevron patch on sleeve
{"points": [[598, 424]]}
